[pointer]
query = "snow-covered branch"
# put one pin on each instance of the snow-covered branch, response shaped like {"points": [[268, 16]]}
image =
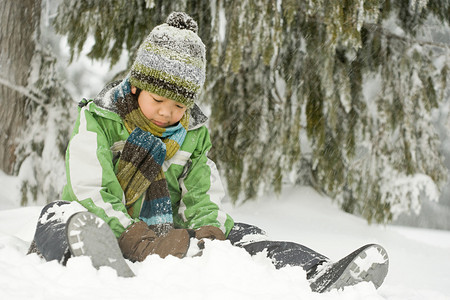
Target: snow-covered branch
{"points": [[411, 41], [24, 91]]}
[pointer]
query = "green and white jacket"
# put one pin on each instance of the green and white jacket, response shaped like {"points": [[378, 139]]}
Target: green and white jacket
{"points": [[194, 184]]}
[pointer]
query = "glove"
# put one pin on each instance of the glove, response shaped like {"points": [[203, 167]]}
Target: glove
{"points": [[139, 241], [209, 232]]}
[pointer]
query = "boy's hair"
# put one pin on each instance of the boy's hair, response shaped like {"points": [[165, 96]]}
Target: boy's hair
{"points": [[171, 61]]}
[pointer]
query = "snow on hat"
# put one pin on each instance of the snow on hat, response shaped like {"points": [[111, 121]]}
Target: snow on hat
{"points": [[171, 61]]}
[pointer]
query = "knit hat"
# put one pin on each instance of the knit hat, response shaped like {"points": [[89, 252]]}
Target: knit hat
{"points": [[171, 61]]}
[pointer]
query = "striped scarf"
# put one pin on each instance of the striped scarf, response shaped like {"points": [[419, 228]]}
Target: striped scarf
{"points": [[140, 165]]}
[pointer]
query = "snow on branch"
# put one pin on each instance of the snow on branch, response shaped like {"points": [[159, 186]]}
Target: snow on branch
{"points": [[389, 34], [24, 91]]}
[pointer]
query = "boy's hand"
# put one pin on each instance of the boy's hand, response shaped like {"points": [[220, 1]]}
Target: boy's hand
{"points": [[209, 232], [139, 241]]}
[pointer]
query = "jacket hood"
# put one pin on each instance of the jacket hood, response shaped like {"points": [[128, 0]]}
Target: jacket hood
{"points": [[105, 100]]}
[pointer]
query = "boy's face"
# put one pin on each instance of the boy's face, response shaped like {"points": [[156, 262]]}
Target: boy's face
{"points": [[161, 111]]}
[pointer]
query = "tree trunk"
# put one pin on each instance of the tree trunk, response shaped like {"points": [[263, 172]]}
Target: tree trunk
{"points": [[19, 21]]}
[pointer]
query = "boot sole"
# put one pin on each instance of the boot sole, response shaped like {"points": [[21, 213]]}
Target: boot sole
{"points": [[369, 263], [88, 235]]}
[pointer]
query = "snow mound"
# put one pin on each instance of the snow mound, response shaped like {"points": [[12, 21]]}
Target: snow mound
{"points": [[418, 266]]}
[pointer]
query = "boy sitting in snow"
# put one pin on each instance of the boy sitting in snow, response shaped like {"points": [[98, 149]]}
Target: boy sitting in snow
{"points": [[139, 181]]}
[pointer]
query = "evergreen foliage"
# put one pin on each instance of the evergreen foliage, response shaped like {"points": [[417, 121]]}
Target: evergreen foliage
{"points": [[42, 145], [335, 94], [39, 105]]}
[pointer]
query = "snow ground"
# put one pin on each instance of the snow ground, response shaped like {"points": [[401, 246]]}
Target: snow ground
{"points": [[419, 258]]}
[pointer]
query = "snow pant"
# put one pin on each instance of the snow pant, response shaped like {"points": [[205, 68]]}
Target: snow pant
{"points": [[50, 239], [254, 240]]}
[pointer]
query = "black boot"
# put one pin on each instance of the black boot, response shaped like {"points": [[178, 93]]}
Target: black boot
{"points": [[369, 263]]}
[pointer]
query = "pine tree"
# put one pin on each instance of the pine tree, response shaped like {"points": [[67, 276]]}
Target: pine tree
{"points": [[34, 105], [16, 52], [335, 94]]}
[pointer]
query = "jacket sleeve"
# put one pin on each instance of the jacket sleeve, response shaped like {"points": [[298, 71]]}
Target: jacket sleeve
{"points": [[91, 179], [202, 190]]}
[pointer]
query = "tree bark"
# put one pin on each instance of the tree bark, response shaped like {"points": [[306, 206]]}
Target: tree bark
{"points": [[19, 24]]}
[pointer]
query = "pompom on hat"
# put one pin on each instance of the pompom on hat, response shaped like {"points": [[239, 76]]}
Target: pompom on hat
{"points": [[171, 61]]}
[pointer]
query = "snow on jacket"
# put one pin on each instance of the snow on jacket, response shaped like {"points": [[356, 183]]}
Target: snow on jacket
{"points": [[193, 180]]}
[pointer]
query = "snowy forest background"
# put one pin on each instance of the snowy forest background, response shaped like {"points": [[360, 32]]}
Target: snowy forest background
{"points": [[349, 97]]}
